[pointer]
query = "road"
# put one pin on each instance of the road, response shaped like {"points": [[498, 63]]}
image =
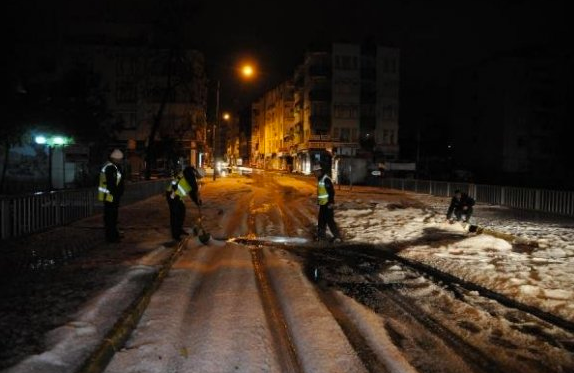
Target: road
{"points": [[261, 296], [265, 305]]}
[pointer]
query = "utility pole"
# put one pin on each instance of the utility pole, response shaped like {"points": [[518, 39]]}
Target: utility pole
{"points": [[215, 124]]}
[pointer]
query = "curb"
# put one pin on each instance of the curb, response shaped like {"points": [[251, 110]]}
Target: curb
{"points": [[124, 326]]}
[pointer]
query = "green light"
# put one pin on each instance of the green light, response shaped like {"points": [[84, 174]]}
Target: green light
{"points": [[53, 140], [58, 140], [40, 140]]}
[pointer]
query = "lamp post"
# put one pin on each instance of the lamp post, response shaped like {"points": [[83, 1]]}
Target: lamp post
{"points": [[42, 140], [248, 72], [215, 124], [51, 142]]}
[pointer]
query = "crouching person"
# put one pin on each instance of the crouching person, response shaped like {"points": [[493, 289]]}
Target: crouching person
{"points": [[460, 208]]}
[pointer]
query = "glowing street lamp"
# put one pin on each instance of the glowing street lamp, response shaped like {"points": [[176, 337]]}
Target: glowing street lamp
{"points": [[51, 142], [59, 140], [247, 71], [40, 140]]}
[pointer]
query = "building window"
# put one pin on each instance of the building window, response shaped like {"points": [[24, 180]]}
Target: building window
{"points": [[336, 133], [393, 65], [346, 111], [345, 134], [346, 62], [126, 92], [520, 142], [128, 120], [320, 109]]}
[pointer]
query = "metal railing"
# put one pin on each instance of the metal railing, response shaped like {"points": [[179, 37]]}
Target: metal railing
{"points": [[550, 201], [25, 214]]}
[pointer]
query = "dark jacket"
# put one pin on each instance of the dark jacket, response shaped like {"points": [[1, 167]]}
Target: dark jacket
{"points": [[191, 177], [116, 189], [458, 204]]}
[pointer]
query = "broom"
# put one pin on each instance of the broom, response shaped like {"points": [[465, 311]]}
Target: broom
{"points": [[202, 234]]}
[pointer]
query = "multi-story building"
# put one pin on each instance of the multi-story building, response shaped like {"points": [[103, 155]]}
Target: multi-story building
{"points": [[512, 115], [344, 104], [147, 88], [140, 89], [273, 118], [108, 81]]}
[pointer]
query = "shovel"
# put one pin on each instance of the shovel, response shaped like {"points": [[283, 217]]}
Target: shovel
{"points": [[202, 235]]}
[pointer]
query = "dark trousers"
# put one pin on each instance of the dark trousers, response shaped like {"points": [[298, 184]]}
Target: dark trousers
{"points": [[176, 215], [326, 218], [459, 213], [111, 221]]}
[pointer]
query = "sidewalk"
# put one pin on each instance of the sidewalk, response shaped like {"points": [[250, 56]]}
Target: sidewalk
{"points": [[526, 227], [71, 265]]}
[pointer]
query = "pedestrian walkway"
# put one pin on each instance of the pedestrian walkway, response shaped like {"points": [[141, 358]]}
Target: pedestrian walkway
{"points": [[47, 277], [528, 227]]}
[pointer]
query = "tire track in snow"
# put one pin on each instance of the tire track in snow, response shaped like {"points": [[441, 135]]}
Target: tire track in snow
{"points": [[275, 317], [210, 317], [388, 300]]}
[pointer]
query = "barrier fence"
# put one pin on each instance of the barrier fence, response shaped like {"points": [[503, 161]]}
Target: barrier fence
{"points": [[550, 201], [25, 214]]}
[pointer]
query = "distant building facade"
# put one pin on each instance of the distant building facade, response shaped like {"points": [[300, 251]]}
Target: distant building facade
{"points": [[140, 87], [272, 128], [512, 118], [343, 102]]}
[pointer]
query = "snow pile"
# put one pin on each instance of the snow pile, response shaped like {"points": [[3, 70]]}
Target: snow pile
{"points": [[536, 269]]}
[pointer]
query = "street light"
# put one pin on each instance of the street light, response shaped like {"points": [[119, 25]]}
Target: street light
{"points": [[215, 124], [247, 70], [51, 142]]}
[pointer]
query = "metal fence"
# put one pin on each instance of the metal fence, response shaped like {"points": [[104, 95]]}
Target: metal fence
{"points": [[550, 201], [24, 214]]}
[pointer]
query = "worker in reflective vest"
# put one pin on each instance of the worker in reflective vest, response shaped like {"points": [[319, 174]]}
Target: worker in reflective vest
{"points": [[182, 184], [326, 201], [110, 190]]}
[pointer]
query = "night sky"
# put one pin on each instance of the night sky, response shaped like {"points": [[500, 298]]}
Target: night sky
{"points": [[435, 37]]}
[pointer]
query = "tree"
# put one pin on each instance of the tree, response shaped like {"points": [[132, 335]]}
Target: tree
{"points": [[171, 40], [71, 104]]}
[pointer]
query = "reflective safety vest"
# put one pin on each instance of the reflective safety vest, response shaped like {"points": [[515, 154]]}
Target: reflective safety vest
{"points": [[104, 193], [179, 186], [322, 195]]}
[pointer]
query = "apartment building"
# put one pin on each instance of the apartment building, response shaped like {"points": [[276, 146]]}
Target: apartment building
{"points": [[141, 81], [139, 87], [344, 103], [512, 115], [273, 119]]}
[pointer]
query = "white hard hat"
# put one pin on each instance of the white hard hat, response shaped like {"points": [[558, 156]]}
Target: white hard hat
{"points": [[117, 154], [317, 167]]}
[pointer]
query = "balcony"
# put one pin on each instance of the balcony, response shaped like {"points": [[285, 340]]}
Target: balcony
{"points": [[320, 95], [320, 123], [320, 71], [320, 138]]}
